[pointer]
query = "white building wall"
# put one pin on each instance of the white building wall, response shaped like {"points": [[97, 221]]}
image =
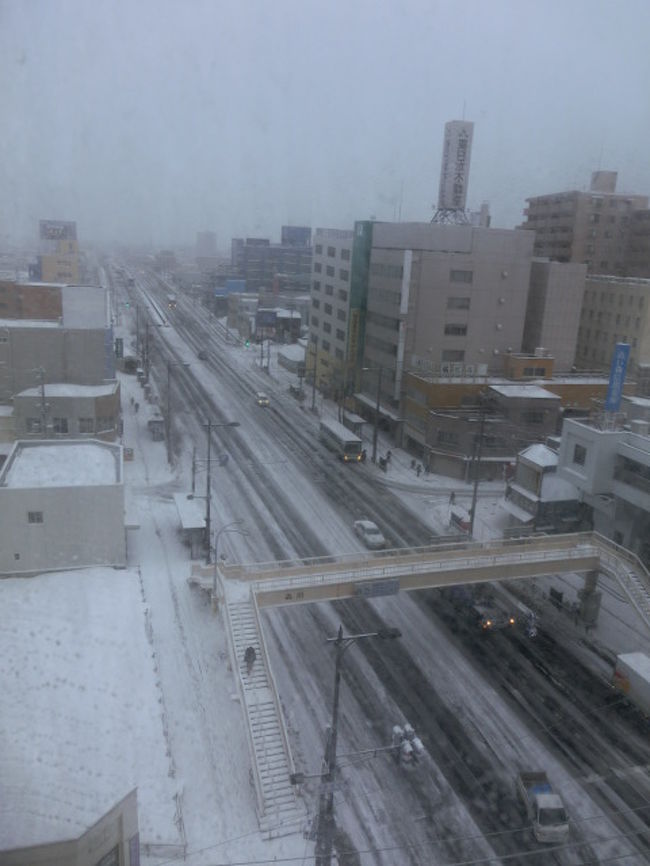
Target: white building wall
{"points": [[82, 526]]}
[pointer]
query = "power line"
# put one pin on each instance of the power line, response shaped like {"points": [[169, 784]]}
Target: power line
{"points": [[446, 841]]}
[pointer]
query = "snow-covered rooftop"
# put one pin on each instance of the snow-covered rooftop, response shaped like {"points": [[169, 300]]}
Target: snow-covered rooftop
{"points": [[293, 352], [80, 714], [29, 323], [524, 391], [62, 464], [65, 389], [541, 455]]}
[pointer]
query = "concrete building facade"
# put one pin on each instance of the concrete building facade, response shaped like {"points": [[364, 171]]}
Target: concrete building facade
{"points": [[611, 469], [614, 310], [62, 410], [444, 296], [258, 261], [113, 840], [75, 346], [553, 310], [61, 507], [589, 227], [330, 310]]}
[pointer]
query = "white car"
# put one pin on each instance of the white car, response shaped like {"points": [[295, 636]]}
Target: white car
{"points": [[369, 533], [262, 399]]}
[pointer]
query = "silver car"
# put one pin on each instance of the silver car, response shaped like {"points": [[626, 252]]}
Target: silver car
{"points": [[369, 533]]}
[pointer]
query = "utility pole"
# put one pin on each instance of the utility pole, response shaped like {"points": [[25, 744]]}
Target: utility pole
{"points": [[325, 831], [146, 350], [137, 331], [193, 469], [207, 492], [313, 384], [41, 373], [210, 426], [477, 467]]}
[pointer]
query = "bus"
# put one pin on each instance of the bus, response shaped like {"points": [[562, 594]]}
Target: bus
{"points": [[171, 302], [339, 439]]}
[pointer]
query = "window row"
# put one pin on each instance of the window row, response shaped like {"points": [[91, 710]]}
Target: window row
{"points": [[100, 424]]}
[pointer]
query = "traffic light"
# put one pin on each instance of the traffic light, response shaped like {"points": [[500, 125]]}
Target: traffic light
{"points": [[247, 343], [127, 304]]}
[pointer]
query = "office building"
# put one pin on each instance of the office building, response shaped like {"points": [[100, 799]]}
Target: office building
{"points": [[330, 310], [446, 298], [259, 261]]}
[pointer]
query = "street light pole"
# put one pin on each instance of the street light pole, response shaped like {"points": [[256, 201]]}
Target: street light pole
{"points": [[376, 427], [229, 527], [325, 832]]}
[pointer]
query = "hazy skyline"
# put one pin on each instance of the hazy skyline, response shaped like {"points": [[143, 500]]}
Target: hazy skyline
{"points": [[149, 121]]}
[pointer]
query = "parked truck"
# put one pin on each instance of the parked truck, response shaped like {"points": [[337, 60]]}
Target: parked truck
{"points": [[632, 677], [544, 807]]}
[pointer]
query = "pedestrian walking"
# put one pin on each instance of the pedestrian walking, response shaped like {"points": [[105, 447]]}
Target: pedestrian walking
{"points": [[249, 657]]}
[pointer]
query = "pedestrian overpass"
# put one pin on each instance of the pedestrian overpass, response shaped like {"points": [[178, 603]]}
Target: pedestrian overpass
{"points": [[243, 589], [388, 572]]}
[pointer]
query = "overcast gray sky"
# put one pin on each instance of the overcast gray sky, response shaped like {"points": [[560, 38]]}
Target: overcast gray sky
{"points": [[150, 120]]}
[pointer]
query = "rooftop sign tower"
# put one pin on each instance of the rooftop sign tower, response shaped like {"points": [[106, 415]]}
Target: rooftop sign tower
{"points": [[454, 172]]}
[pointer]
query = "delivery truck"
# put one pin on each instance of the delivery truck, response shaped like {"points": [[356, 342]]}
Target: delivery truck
{"points": [[544, 807], [632, 677]]}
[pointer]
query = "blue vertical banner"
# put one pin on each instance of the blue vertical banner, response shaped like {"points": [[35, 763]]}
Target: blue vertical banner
{"points": [[617, 377]]}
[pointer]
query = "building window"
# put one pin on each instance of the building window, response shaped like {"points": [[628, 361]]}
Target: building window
{"points": [[447, 437], [86, 425], [314, 321], [105, 422], [319, 249], [34, 517], [461, 276], [340, 315], [340, 335], [331, 252], [318, 267], [328, 309], [326, 345], [532, 416], [456, 330], [579, 454], [458, 303], [343, 274], [453, 355], [329, 270], [316, 285], [345, 255], [315, 303], [329, 290], [327, 327], [338, 354], [342, 295], [60, 425]]}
